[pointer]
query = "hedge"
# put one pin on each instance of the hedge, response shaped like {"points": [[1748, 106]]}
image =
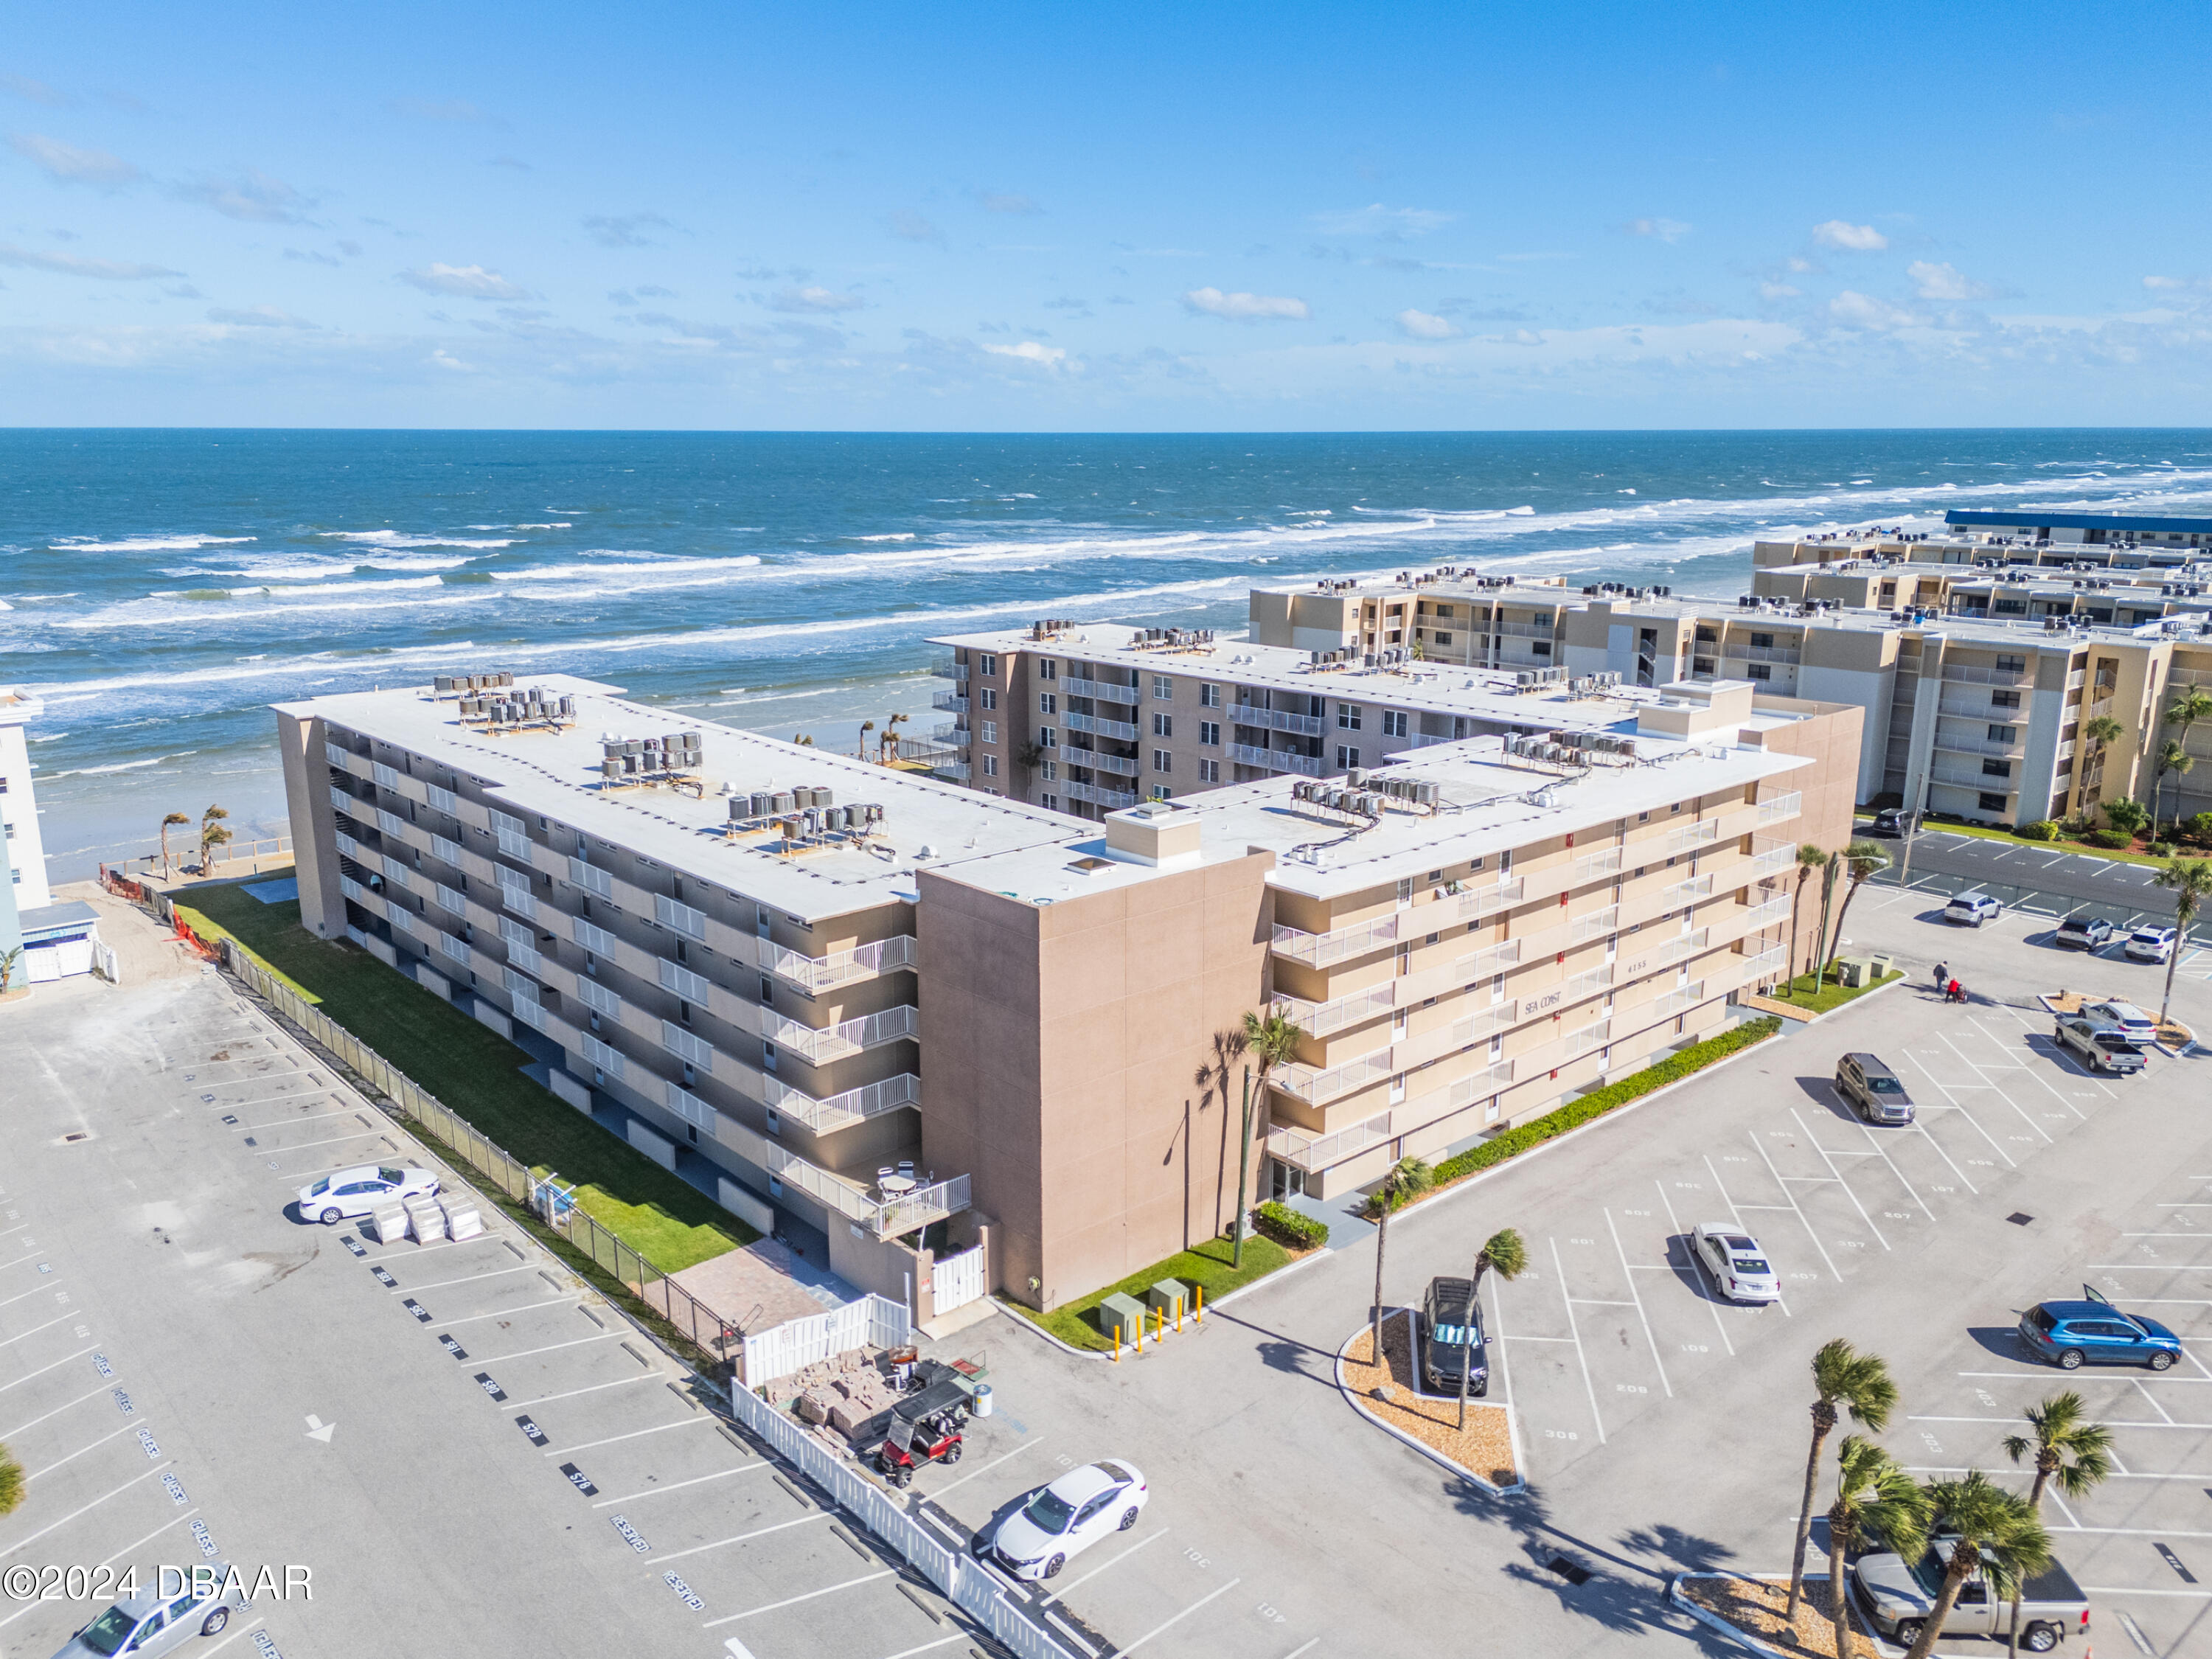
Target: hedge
{"points": [[2112, 840], [1286, 1226], [1599, 1102], [2041, 830]]}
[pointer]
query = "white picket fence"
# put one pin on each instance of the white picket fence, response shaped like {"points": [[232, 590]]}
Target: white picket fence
{"points": [[965, 1582], [959, 1280], [873, 1321]]}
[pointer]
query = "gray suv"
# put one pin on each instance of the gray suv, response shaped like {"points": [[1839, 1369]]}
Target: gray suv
{"points": [[1874, 1092]]}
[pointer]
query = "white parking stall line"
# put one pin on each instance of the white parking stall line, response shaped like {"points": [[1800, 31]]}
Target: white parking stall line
{"points": [[79, 1452], [2111, 1422], [1813, 1141], [286, 1122], [1149, 1538], [305, 1145], [43, 1369], [2085, 1375], [678, 1485], [2147, 1394], [243, 1629], [1566, 1301], [2008, 1099], [758, 1531], [51, 1285], [2199, 1237], [1637, 1300], [21, 1259], [1733, 1214], [269, 1100], [1883, 1152], [500, 1360], [985, 1468], [34, 1605], [20, 1227], [637, 1434], [1674, 1229], [35, 1329], [570, 1394], [465, 1279], [1165, 1624], [1943, 1089], [10, 1434], [932, 1647], [96, 1504], [502, 1313], [1801, 1216], [794, 1600], [2103, 1589]]}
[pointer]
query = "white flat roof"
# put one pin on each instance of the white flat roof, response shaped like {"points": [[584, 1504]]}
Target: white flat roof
{"points": [[556, 775]]}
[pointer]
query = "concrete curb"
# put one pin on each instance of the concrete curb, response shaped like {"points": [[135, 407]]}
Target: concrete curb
{"points": [[1812, 1019], [1353, 1399]]}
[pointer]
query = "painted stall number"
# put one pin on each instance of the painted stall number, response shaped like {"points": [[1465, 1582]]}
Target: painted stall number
{"points": [[1561, 1434]]}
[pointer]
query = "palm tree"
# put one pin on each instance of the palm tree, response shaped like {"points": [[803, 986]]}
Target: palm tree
{"points": [[1860, 1384], [1810, 858], [1995, 1533], [2189, 705], [172, 818], [889, 748], [212, 833], [866, 727], [1272, 1040], [1830, 863], [8, 958], [2171, 757], [2069, 1451], [11, 1483], [2126, 815], [2190, 881], [1873, 1494], [1505, 1251], [1406, 1178], [1864, 860]]}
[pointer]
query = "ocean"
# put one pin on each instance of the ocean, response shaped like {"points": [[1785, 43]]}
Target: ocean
{"points": [[158, 589]]}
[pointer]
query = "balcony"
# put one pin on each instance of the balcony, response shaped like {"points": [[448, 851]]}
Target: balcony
{"points": [[1319, 1088], [841, 1111], [1779, 807], [1101, 690], [1319, 1018], [1588, 981], [1591, 865], [1960, 673], [1125, 730], [1684, 946], [1759, 653], [1681, 1000], [1278, 720], [1320, 949], [1961, 745], [945, 669], [949, 702], [1123, 765], [1686, 837], [1686, 892], [1113, 800], [1770, 964], [1962, 778], [952, 733], [840, 967], [958, 771], [818, 1045], [1769, 912], [1485, 1022], [1773, 859], [1541, 629], [1488, 960], [1596, 925], [1278, 760], [1474, 901], [1311, 1152], [1475, 1084], [1588, 1037], [886, 1219]]}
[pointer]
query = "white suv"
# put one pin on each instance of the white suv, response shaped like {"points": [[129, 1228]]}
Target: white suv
{"points": [[1972, 909], [2150, 944]]}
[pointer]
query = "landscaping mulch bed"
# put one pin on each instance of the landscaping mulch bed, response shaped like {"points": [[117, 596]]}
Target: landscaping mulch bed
{"points": [[1754, 1606], [1485, 1449]]}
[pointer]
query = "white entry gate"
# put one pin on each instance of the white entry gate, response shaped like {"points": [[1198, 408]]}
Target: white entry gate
{"points": [[959, 1279]]}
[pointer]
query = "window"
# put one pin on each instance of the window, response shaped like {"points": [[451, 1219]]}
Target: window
{"points": [[1047, 703], [1209, 734], [1161, 792], [1705, 635], [1540, 647], [989, 699], [990, 731], [2012, 664], [1993, 803], [987, 665], [1048, 669], [2002, 733], [1051, 770], [1762, 642], [1444, 611], [1443, 639], [1163, 761], [2004, 699], [1047, 738], [1162, 689], [1347, 716], [1394, 722], [1049, 801], [1996, 769], [1164, 726], [1346, 756], [1209, 771], [1209, 696], [990, 766], [1758, 670]]}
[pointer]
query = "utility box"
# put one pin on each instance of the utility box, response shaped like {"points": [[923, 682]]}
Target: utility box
{"points": [[1125, 1312], [1882, 967], [1853, 970], [1167, 1297]]}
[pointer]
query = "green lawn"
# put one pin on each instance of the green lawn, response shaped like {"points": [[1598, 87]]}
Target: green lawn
{"points": [[1831, 995], [475, 1072], [1206, 1266]]}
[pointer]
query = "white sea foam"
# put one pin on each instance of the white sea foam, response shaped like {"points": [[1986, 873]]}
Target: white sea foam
{"points": [[149, 545], [896, 536], [396, 538]]}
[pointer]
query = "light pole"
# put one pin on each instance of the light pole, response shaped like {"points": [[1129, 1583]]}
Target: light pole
{"points": [[1244, 1169]]}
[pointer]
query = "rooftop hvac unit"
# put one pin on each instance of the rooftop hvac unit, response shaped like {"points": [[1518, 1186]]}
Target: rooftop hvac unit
{"points": [[611, 768], [1425, 793], [738, 805], [759, 804], [833, 818], [782, 802], [1356, 776], [567, 708]]}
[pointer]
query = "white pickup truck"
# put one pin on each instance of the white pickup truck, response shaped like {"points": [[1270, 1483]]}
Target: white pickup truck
{"points": [[1896, 1596]]}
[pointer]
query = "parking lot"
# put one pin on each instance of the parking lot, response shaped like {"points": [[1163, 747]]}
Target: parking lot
{"points": [[458, 1446]]}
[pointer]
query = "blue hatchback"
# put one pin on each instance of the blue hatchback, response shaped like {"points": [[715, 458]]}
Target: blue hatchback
{"points": [[2070, 1335]]}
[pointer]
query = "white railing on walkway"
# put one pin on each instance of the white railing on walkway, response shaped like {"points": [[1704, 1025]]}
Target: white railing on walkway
{"points": [[841, 967], [1318, 950], [1319, 1018], [1311, 1152]]}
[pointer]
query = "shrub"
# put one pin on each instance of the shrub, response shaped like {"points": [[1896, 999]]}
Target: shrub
{"points": [[2041, 830], [1599, 1102], [2112, 840], [11, 1482], [2200, 829], [1287, 1227], [2159, 849]]}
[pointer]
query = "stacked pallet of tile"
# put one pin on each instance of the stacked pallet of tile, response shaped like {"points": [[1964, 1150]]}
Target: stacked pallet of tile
{"points": [[425, 1220], [390, 1223], [462, 1220]]}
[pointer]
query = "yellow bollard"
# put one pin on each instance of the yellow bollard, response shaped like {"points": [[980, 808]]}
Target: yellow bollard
{"points": [[1198, 1306], [1117, 1345]]}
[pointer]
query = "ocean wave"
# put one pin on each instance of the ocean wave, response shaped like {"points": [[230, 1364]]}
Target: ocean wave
{"points": [[118, 766], [894, 536], [184, 544], [398, 538]]}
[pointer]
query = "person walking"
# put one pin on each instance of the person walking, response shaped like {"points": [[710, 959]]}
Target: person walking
{"points": [[1943, 978]]}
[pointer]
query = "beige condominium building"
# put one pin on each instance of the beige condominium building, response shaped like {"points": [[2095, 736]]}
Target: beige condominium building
{"points": [[796, 977]]}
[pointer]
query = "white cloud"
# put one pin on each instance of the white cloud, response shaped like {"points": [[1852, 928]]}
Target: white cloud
{"points": [[1030, 352], [1667, 230], [258, 317], [2167, 283], [1852, 239], [816, 299], [623, 229], [1377, 219], [1778, 291], [1855, 310], [1004, 201], [1247, 307], [913, 228], [1944, 281], [67, 264], [257, 198], [68, 165], [31, 91], [464, 282], [1423, 325]]}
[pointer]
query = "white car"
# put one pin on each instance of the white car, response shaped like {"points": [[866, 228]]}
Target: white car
{"points": [[2150, 944], [1064, 1519], [1740, 1268], [2139, 1026], [359, 1190]]}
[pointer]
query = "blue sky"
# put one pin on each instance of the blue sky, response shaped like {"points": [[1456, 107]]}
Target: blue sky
{"points": [[1138, 217]]}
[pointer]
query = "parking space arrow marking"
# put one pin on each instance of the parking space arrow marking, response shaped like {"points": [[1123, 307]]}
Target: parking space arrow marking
{"points": [[318, 1430]]}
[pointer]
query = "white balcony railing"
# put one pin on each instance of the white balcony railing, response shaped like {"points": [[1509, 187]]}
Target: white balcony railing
{"points": [[1113, 800], [1319, 950], [1684, 836], [949, 702], [1476, 1085], [1311, 1152], [840, 967], [1076, 686], [1772, 860], [1967, 674], [1498, 1017], [1591, 865], [1588, 1037], [945, 669], [818, 1045], [1685, 945], [1319, 1088], [1278, 720], [1770, 964], [1278, 760], [1125, 730], [1769, 912], [1488, 960], [1779, 807], [1595, 925], [1681, 1000], [839, 1111], [959, 770], [1121, 765], [1319, 1018], [1474, 901], [1590, 979], [1686, 892]]}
